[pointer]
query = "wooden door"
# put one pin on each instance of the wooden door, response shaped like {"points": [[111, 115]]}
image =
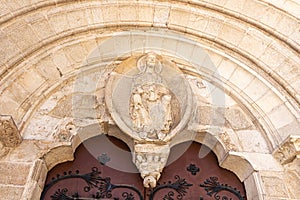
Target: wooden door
{"points": [[103, 169]]}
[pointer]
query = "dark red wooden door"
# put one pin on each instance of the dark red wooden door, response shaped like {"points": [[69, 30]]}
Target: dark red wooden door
{"points": [[103, 169]]}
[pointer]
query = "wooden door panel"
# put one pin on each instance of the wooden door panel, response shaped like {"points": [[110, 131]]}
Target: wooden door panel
{"points": [[103, 169]]}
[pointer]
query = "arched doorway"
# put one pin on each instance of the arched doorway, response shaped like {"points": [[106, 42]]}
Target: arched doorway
{"points": [[103, 169]]}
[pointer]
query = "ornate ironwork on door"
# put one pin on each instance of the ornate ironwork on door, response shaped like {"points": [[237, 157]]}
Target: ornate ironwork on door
{"points": [[180, 180]]}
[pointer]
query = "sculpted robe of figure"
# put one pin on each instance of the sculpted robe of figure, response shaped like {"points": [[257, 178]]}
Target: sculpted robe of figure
{"points": [[150, 102]]}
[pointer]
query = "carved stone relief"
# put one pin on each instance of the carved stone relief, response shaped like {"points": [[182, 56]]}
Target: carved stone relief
{"points": [[9, 133], [289, 150], [65, 131], [150, 100]]}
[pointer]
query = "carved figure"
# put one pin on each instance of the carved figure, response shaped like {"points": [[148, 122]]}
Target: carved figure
{"points": [[150, 102]]}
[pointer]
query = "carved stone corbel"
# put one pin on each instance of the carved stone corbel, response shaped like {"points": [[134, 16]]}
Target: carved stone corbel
{"points": [[9, 133], [288, 150], [150, 160]]}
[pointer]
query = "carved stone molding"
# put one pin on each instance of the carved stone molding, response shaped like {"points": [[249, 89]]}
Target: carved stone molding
{"points": [[288, 150], [9, 133]]}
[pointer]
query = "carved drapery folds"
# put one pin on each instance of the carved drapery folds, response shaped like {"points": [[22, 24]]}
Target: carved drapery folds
{"points": [[9, 133], [150, 100]]}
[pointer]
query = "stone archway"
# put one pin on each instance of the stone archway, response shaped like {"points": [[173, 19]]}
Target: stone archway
{"points": [[45, 43]]}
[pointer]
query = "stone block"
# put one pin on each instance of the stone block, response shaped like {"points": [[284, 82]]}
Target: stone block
{"points": [[4, 10], [269, 101], [11, 192], [198, 57], [289, 70], [257, 143], [289, 129], [215, 60], [8, 48], [254, 42], [38, 173], [31, 80], [213, 116], [48, 69], [8, 106], [179, 17], [59, 22], [77, 19], [8, 175], [241, 78], [14, 4], [230, 33], [213, 27], [27, 151], [253, 9], [277, 119], [292, 178], [146, 13], [292, 7], [296, 85], [270, 17], [33, 192], [89, 45], [226, 68], [253, 187], [235, 5], [288, 25], [252, 90], [62, 62], [184, 50], [274, 185], [238, 119], [96, 14], [22, 35], [17, 92], [170, 44], [161, 15], [75, 53], [218, 98], [197, 22], [84, 101], [41, 128], [110, 13], [43, 29], [272, 57], [58, 155], [128, 13]]}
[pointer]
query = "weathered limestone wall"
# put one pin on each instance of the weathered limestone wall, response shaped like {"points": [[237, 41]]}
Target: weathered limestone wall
{"points": [[252, 59]]}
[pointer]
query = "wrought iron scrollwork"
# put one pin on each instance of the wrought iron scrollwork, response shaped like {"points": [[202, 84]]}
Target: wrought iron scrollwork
{"points": [[103, 186], [180, 186], [213, 187]]}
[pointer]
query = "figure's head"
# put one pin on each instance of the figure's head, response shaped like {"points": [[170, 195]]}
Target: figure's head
{"points": [[151, 60]]}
